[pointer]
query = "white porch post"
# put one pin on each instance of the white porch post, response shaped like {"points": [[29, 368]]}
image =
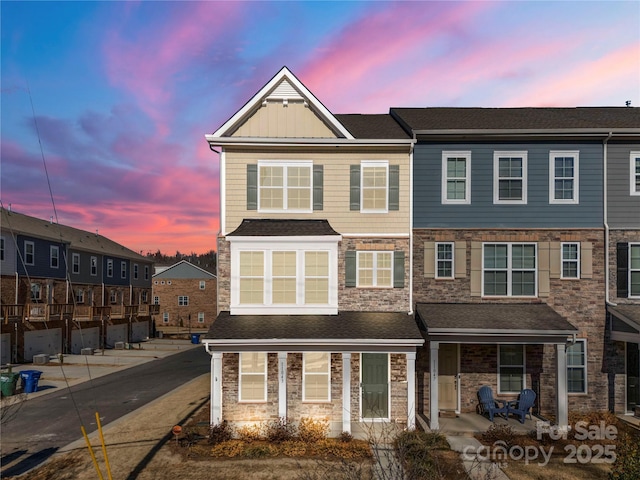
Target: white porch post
{"points": [[346, 392], [433, 386], [216, 388], [562, 412], [282, 384], [411, 390]]}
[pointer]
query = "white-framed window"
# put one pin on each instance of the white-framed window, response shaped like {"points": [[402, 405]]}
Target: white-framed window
{"points": [[252, 276], [156, 300], [1, 248], [563, 176], [509, 270], [283, 278], [75, 263], [135, 271], [54, 256], [109, 268], [634, 173], [200, 317], [94, 266], [202, 284], [253, 377], [123, 269], [144, 296], [285, 186], [29, 252], [577, 367], [570, 260], [511, 368], [634, 269], [456, 177], [79, 295], [36, 292], [510, 177], [165, 317], [113, 297], [375, 269], [316, 278], [183, 301], [316, 378], [374, 190], [444, 259]]}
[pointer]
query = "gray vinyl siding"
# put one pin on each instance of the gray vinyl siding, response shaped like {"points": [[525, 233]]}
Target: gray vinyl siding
{"points": [[482, 212], [84, 276], [8, 266], [116, 278], [623, 208], [42, 258], [140, 281]]}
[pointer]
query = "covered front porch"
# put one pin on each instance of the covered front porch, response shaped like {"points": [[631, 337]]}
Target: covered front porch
{"points": [[480, 337], [623, 323], [468, 424]]}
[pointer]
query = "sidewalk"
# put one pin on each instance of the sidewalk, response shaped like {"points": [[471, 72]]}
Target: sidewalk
{"points": [[75, 369]]}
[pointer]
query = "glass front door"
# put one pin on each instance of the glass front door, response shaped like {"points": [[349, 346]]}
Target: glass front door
{"points": [[375, 385]]}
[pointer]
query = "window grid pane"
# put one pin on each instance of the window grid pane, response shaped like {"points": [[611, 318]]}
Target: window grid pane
{"points": [[374, 188], [316, 281], [509, 270], [510, 178], [511, 372], [444, 257], [316, 376]]}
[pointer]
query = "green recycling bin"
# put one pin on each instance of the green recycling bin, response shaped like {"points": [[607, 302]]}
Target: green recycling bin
{"points": [[8, 381]]}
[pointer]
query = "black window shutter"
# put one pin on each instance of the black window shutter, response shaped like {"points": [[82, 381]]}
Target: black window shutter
{"points": [[398, 269], [252, 186], [318, 174], [394, 187], [622, 269], [354, 199], [350, 268]]}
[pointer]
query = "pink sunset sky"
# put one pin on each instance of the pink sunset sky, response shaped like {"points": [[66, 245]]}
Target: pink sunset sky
{"points": [[115, 98]]}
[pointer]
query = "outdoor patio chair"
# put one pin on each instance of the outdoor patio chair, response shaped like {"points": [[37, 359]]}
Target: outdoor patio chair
{"points": [[489, 405], [522, 406]]}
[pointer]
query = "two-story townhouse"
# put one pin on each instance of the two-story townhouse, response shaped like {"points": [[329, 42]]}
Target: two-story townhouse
{"points": [[314, 278], [509, 254], [622, 223], [186, 295]]}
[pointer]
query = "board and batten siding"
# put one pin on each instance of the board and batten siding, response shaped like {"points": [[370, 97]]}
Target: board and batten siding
{"points": [[623, 208], [482, 212], [277, 120], [336, 192]]}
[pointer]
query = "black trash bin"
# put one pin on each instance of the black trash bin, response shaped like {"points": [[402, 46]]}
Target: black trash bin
{"points": [[29, 380]]}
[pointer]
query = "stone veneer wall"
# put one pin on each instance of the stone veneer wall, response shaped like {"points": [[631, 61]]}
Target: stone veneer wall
{"points": [[581, 302], [223, 263]]}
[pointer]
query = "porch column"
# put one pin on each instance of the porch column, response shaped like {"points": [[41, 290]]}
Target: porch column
{"points": [[346, 392], [216, 388], [282, 384], [562, 412], [433, 386], [411, 390]]}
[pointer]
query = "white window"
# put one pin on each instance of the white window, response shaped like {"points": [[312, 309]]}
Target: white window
{"points": [[634, 269], [511, 368], [200, 317], [283, 278], [456, 177], [316, 377], [54, 256], [510, 177], [253, 377], [316, 278], [75, 263], [156, 300], [202, 284], [36, 292], [570, 260], [113, 297], [444, 260], [94, 266], [183, 301], [79, 295], [285, 186], [135, 271], [577, 367], [509, 269], [109, 268], [123, 269], [374, 191], [165, 317], [563, 177], [29, 253], [634, 173], [375, 269], [252, 278]]}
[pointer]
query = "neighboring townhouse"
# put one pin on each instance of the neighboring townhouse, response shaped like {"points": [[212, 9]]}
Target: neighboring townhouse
{"points": [[622, 223], [186, 295], [509, 254], [52, 272], [314, 278]]}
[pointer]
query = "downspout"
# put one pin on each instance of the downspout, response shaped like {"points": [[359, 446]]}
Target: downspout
{"points": [[17, 288], [606, 218], [411, 225]]}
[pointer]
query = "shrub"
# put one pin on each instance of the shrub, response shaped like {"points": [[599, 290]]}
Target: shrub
{"points": [[293, 448], [311, 431], [280, 430], [259, 451], [220, 433], [230, 449], [413, 448], [497, 433], [251, 433], [627, 464], [346, 437]]}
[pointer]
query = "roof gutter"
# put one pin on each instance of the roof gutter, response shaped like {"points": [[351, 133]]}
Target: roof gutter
{"points": [[529, 132], [363, 342], [290, 142]]}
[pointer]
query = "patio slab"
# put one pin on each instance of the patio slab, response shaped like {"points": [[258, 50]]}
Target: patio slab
{"points": [[469, 424]]}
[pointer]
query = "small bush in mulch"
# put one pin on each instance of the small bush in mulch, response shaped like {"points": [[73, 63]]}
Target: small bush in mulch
{"points": [[421, 455], [220, 433], [280, 430]]}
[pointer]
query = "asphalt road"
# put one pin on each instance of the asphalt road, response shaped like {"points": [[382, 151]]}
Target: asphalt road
{"points": [[47, 423]]}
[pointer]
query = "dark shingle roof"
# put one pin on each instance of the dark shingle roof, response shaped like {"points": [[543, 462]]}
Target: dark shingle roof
{"points": [[374, 126], [492, 317], [343, 326], [518, 118], [628, 312], [256, 227]]}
